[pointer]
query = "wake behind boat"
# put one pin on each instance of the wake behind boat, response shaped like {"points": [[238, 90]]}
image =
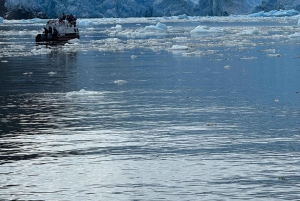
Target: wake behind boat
{"points": [[59, 30]]}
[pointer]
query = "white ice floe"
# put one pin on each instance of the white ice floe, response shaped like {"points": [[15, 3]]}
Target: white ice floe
{"points": [[179, 47], [117, 27], [249, 32], [248, 58], [83, 93], [52, 73], [205, 29], [120, 82], [294, 36], [31, 21], [158, 27], [274, 55], [75, 40], [40, 51]]}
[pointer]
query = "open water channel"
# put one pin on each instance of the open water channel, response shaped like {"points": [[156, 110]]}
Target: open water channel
{"points": [[138, 112]]}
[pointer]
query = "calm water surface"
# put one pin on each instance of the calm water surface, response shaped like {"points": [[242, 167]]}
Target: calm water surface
{"points": [[123, 116]]}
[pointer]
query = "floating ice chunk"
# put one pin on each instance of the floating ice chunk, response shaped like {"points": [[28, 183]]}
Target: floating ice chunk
{"points": [[75, 40], [184, 16], [295, 35], [275, 13], [161, 26], [120, 82], [30, 21], [38, 51], [83, 93], [158, 27], [133, 56], [118, 27], [248, 58], [1, 20], [4, 61], [205, 29], [249, 32], [268, 50], [52, 73], [179, 47], [85, 22], [28, 73], [227, 67], [276, 100], [274, 55]]}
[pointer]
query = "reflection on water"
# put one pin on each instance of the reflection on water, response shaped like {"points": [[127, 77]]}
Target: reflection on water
{"points": [[148, 124]]}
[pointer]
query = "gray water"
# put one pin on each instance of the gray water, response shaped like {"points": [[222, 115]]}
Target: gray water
{"points": [[126, 115]]}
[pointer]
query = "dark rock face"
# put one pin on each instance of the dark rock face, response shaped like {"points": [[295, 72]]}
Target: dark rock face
{"points": [[3, 9]]}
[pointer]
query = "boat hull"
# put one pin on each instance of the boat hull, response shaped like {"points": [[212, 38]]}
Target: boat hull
{"points": [[41, 38]]}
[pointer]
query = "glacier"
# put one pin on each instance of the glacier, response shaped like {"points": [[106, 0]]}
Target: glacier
{"points": [[27, 9]]}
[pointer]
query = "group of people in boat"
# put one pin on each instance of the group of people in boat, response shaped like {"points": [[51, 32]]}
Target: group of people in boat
{"points": [[70, 18], [53, 31]]}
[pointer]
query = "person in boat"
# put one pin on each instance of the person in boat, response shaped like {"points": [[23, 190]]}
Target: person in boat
{"points": [[73, 21], [62, 17], [55, 34], [46, 33]]}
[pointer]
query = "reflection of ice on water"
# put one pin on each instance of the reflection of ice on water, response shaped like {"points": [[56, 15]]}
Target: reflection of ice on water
{"points": [[83, 93]]}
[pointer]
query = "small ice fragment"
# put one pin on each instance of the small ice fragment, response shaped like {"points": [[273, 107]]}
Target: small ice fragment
{"points": [[52, 73], [274, 55], [211, 124], [248, 58], [227, 67], [294, 35], [268, 50], [249, 32], [120, 82], [161, 26], [133, 56], [28, 73], [75, 40], [276, 100], [206, 29], [179, 47], [4, 61]]}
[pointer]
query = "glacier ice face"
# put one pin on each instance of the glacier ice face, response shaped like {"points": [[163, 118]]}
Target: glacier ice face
{"points": [[141, 8]]}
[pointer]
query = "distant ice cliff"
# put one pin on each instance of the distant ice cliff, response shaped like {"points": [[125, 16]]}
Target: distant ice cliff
{"points": [[22, 9]]}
